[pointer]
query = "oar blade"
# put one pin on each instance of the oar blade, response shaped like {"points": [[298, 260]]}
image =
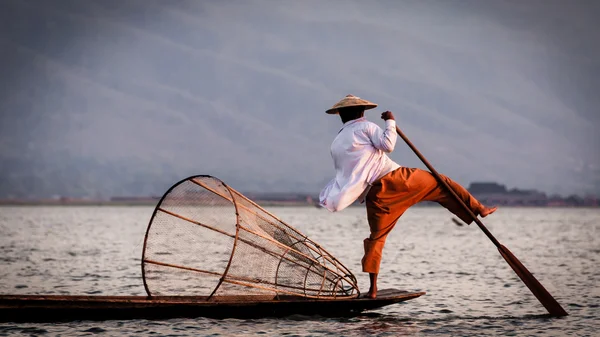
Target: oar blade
{"points": [[532, 283]]}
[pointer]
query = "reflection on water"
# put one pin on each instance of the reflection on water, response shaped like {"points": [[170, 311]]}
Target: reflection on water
{"points": [[470, 288]]}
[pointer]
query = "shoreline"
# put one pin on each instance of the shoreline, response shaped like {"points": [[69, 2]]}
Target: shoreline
{"points": [[264, 203]]}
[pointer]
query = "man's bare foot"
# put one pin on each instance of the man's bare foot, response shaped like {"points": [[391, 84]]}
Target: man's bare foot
{"points": [[487, 211], [372, 293]]}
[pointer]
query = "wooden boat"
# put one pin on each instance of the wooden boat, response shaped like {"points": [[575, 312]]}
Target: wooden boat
{"points": [[259, 266], [40, 308]]}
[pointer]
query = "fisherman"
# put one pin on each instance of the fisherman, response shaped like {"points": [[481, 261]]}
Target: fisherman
{"points": [[364, 172]]}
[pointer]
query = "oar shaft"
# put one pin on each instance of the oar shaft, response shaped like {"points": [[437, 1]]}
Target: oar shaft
{"points": [[448, 187], [530, 281]]}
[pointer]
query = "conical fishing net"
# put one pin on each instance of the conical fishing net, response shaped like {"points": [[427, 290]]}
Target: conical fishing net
{"points": [[206, 239]]}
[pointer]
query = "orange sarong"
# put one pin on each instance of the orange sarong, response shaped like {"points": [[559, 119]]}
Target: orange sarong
{"points": [[394, 193]]}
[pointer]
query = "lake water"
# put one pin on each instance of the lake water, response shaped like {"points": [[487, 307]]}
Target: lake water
{"points": [[471, 291]]}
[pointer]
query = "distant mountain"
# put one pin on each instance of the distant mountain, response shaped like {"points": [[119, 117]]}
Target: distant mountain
{"points": [[102, 98]]}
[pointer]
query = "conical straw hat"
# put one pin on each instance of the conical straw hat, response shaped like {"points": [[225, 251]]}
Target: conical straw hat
{"points": [[351, 100]]}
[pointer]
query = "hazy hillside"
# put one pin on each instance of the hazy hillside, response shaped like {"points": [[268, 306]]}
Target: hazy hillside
{"points": [[103, 98]]}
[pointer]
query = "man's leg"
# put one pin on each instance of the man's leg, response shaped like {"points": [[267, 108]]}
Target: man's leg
{"points": [[373, 246], [387, 200], [392, 195], [438, 193]]}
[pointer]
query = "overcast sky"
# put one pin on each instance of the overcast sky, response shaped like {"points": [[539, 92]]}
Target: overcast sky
{"points": [[124, 97]]}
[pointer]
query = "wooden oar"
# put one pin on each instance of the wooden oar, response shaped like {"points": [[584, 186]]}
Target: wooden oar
{"points": [[530, 281]]}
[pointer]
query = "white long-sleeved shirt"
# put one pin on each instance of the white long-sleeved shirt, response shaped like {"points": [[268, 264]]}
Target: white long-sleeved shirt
{"points": [[359, 156]]}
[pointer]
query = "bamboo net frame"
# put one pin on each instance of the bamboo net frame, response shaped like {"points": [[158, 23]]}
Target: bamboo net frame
{"points": [[207, 239]]}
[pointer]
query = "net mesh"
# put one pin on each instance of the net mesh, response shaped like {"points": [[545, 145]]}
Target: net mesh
{"points": [[206, 239]]}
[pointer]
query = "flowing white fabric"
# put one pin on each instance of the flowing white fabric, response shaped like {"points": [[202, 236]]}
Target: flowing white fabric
{"points": [[359, 157]]}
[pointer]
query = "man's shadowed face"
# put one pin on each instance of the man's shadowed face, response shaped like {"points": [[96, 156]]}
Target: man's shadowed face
{"points": [[351, 113]]}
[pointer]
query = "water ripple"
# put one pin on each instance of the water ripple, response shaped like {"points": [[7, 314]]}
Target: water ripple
{"points": [[470, 289]]}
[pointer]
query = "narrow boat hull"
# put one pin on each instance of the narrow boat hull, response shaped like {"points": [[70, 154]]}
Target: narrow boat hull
{"points": [[39, 308]]}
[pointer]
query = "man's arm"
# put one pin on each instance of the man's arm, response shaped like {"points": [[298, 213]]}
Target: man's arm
{"points": [[385, 140]]}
